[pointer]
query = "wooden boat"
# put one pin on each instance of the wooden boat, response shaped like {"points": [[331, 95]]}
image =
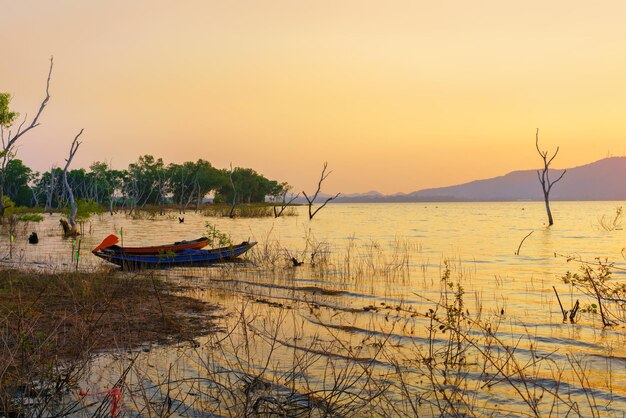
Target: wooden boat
{"points": [[185, 258], [111, 241]]}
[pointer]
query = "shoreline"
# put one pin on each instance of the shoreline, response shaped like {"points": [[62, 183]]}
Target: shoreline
{"points": [[51, 324]]}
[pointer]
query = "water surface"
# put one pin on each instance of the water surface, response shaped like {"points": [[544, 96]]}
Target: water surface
{"points": [[383, 265]]}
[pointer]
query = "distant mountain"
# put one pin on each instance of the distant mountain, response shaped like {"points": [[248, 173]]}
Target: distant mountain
{"points": [[601, 180], [371, 196]]}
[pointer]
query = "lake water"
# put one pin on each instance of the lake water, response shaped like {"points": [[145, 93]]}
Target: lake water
{"points": [[378, 272]]}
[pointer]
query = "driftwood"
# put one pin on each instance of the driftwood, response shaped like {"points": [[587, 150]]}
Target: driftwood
{"points": [[572, 312], [67, 229], [522, 242]]}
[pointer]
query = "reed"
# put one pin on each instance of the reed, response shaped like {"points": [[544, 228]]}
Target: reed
{"points": [[52, 324], [444, 360], [250, 210], [611, 222], [288, 347]]}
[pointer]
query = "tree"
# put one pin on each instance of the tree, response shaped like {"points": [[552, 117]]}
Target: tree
{"points": [[144, 177], [208, 179], [182, 183], [245, 185], [106, 183], [544, 176], [319, 187], [18, 176], [9, 138], [46, 187]]}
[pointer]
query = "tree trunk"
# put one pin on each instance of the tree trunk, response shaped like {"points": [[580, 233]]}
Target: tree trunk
{"points": [[550, 220], [72, 230], [2, 197]]}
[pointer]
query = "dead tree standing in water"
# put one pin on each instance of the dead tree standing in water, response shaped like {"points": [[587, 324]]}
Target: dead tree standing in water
{"points": [[284, 203], [70, 230], [319, 186], [544, 176], [10, 138]]}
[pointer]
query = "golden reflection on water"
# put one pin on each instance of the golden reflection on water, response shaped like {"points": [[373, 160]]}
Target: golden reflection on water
{"points": [[378, 271]]}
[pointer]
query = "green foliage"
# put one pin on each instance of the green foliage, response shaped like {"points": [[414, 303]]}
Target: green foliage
{"points": [[86, 208], [597, 274], [454, 307], [166, 254], [17, 179], [31, 217], [6, 115], [594, 279], [591, 308], [250, 187], [216, 237], [192, 181], [9, 206], [148, 181], [25, 210]]}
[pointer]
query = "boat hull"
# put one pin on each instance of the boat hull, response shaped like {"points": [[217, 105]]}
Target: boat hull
{"points": [[196, 244], [186, 258]]}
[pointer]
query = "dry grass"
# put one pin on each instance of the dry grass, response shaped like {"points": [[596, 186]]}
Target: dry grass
{"points": [[250, 210], [280, 354], [443, 357], [51, 323]]}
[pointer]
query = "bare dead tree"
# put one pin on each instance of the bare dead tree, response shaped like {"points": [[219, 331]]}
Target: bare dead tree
{"points": [[544, 176], [284, 202], [71, 230], [310, 201], [163, 180], [185, 179], [9, 138], [50, 188]]}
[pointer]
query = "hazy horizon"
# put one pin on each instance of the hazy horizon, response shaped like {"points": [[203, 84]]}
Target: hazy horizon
{"points": [[396, 98]]}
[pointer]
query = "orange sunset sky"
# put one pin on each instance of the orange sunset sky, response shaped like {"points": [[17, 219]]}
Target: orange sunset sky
{"points": [[395, 95]]}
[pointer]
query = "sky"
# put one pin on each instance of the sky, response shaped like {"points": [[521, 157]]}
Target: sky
{"points": [[395, 96]]}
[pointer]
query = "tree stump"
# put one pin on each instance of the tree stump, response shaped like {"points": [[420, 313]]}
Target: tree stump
{"points": [[67, 229]]}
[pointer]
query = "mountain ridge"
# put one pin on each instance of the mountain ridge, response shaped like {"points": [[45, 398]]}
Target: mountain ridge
{"points": [[599, 180]]}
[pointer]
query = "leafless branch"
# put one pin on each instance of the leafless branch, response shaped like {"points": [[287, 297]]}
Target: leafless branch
{"points": [[310, 201], [324, 204], [522, 242], [284, 204], [560, 177], [68, 161], [35, 122], [544, 175]]}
